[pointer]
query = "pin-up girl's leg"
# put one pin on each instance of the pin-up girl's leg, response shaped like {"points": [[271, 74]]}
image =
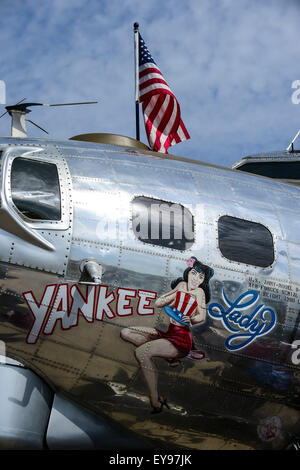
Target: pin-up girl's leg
{"points": [[144, 354], [138, 335]]}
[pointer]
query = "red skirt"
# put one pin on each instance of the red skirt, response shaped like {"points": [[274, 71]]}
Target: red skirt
{"points": [[180, 336]]}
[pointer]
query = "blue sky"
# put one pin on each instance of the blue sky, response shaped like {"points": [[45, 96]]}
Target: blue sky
{"points": [[230, 63]]}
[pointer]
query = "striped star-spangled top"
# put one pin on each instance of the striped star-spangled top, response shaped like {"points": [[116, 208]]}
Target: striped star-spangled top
{"points": [[185, 303], [163, 123]]}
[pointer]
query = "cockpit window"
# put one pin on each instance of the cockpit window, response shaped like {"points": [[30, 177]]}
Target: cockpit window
{"points": [[246, 242], [162, 223], [35, 189]]}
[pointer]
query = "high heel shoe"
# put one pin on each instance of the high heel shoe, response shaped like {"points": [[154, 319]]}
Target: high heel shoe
{"points": [[173, 362], [163, 402]]}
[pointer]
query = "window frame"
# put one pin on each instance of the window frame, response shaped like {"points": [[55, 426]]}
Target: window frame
{"points": [[242, 262], [41, 155], [162, 201], [31, 219]]}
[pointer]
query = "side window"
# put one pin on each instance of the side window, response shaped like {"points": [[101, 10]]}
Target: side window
{"points": [[35, 189], [245, 242], [162, 223]]}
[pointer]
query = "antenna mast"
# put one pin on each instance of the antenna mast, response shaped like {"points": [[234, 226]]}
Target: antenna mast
{"points": [[18, 112], [292, 143], [18, 122]]}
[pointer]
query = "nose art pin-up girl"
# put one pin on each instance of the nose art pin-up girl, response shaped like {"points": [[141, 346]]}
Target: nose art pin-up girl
{"points": [[185, 304]]}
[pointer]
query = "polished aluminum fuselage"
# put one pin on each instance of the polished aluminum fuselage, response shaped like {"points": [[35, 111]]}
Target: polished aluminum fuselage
{"points": [[89, 363]]}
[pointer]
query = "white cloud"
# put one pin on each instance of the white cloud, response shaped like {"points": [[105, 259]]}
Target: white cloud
{"points": [[230, 63]]}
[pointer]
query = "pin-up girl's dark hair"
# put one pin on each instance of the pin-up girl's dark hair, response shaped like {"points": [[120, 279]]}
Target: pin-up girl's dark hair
{"points": [[208, 272]]}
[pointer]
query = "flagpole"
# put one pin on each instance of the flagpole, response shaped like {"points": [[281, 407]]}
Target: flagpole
{"points": [[136, 57]]}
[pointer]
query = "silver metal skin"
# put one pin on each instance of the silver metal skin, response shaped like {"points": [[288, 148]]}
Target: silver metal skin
{"points": [[220, 402], [26, 402], [73, 428]]}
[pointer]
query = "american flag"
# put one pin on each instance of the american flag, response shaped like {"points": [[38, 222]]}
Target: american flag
{"points": [[161, 109]]}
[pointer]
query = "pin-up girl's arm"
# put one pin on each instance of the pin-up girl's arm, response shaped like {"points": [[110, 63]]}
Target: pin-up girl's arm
{"points": [[200, 313], [169, 297]]}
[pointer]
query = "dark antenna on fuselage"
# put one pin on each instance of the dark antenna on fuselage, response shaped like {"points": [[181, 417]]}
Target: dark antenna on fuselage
{"points": [[290, 148]]}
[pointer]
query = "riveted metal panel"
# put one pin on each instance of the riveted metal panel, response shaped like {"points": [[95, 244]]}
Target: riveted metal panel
{"points": [[210, 209], [138, 269], [294, 256], [282, 195], [148, 175], [7, 245], [280, 269], [98, 166], [258, 214], [45, 245], [83, 187], [106, 255], [290, 222], [24, 254], [250, 192], [213, 185], [204, 247]]}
